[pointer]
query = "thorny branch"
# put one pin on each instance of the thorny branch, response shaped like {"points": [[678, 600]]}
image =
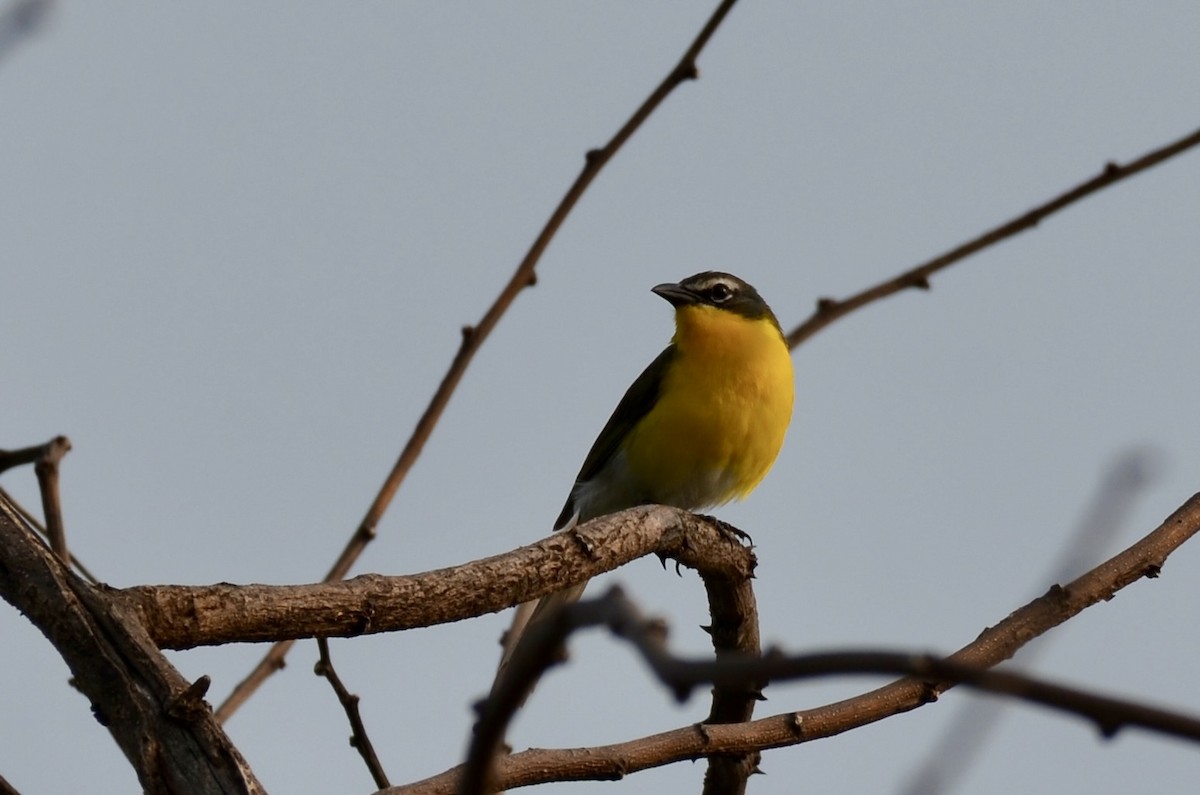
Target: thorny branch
{"points": [[830, 309], [996, 644], [681, 676]]}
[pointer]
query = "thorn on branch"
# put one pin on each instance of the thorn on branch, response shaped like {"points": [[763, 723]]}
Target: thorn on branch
{"points": [[532, 280], [920, 282], [99, 715], [1152, 571], [468, 331], [188, 705], [593, 157], [826, 305]]}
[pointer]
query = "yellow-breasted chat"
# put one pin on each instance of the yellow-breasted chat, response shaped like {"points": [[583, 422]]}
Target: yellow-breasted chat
{"points": [[700, 426]]}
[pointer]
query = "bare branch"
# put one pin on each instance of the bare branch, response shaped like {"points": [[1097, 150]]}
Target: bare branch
{"points": [[183, 616], [735, 634], [31, 523], [45, 458], [734, 631], [473, 337], [31, 455], [994, 645], [158, 719], [830, 309], [46, 469], [359, 738]]}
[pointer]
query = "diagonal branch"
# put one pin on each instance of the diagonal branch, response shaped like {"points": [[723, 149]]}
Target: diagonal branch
{"points": [[831, 309], [158, 719], [31, 523], [359, 739], [472, 339], [996, 644]]}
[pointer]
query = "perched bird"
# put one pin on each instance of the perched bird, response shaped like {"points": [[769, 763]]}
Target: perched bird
{"points": [[699, 427]]}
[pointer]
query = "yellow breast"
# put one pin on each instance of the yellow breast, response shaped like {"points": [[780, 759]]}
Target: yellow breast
{"points": [[722, 412]]}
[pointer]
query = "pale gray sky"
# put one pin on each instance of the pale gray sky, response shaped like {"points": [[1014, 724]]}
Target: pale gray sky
{"points": [[240, 240]]}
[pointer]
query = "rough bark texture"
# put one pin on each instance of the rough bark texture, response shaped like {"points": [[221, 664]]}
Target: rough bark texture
{"points": [[159, 720]]}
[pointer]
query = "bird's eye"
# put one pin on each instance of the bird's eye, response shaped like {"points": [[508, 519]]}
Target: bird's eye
{"points": [[720, 292]]}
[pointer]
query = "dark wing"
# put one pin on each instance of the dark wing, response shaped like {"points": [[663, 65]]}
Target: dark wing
{"points": [[637, 402]]}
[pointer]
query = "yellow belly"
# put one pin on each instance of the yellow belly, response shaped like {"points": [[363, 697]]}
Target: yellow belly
{"points": [[722, 413]]}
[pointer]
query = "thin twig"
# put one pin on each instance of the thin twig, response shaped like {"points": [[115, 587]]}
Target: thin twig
{"points": [[25, 455], [36, 526], [830, 309], [358, 738], [472, 339], [46, 469], [45, 459]]}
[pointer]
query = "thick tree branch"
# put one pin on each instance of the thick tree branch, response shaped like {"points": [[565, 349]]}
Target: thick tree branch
{"points": [[473, 337], [993, 646], [158, 719], [830, 309], [182, 616]]}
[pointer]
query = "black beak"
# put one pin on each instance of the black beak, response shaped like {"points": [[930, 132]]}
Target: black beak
{"points": [[677, 295]]}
